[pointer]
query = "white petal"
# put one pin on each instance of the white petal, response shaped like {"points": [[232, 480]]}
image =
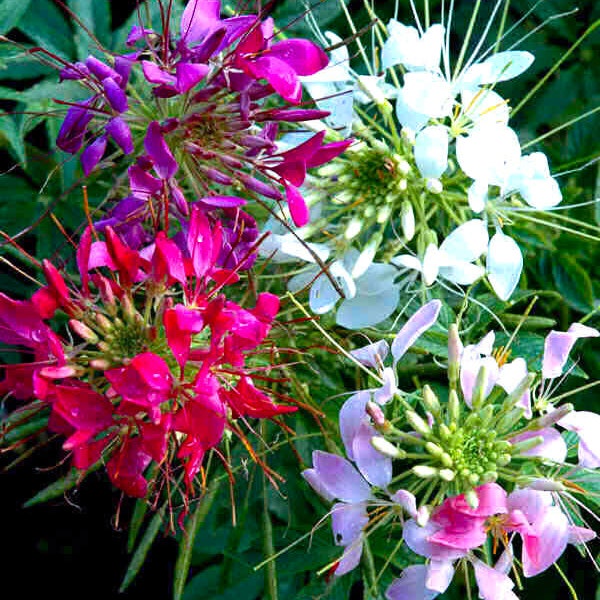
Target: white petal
{"points": [[363, 311], [431, 264], [498, 67], [408, 261], [408, 116], [484, 106], [467, 242], [376, 279], [478, 195], [504, 265], [461, 272], [431, 151], [398, 48], [428, 93], [322, 296], [488, 152], [303, 280]]}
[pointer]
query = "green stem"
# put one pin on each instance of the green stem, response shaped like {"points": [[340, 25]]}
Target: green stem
{"points": [[267, 531]]}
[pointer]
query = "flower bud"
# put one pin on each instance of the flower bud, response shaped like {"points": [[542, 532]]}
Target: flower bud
{"points": [[407, 220], [419, 425], [434, 186], [480, 388], [83, 331], [453, 406], [541, 484], [472, 499], [528, 444], [425, 472], [353, 228], [375, 412], [455, 349], [552, 417], [447, 474], [430, 400], [387, 448]]}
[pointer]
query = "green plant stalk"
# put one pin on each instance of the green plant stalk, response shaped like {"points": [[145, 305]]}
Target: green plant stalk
{"points": [[267, 531]]}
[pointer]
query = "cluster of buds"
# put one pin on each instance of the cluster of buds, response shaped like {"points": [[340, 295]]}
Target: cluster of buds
{"points": [[156, 363], [482, 462]]}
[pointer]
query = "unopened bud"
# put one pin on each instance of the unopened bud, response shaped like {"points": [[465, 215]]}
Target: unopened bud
{"points": [[374, 411], [541, 484], [100, 364], [430, 400], [472, 499], [402, 164], [453, 406], [489, 477], [509, 420], [528, 444], [434, 449], [553, 417], [480, 387], [407, 220], [103, 322], [455, 349], [423, 514], [353, 228], [425, 472], [419, 425], [128, 307], [447, 474], [387, 448], [63, 372], [515, 396], [383, 214], [83, 331], [434, 186]]}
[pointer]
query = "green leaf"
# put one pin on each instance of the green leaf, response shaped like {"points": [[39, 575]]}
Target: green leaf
{"points": [[137, 560], [47, 27], [573, 282], [11, 134], [11, 12], [186, 545], [56, 489]]}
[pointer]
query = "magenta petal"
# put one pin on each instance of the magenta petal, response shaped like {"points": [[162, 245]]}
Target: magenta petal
{"points": [[221, 201], [165, 164], [279, 74], [154, 371], [73, 128], [348, 522], [340, 478], [154, 74], [142, 184], [137, 33], [198, 18], [93, 154], [547, 543], [118, 129], [418, 324], [297, 205], [328, 152], [101, 70], [375, 467], [492, 500], [411, 585], [351, 416], [188, 75], [304, 57], [558, 345], [116, 96]]}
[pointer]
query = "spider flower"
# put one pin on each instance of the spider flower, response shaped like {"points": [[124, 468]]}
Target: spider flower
{"points": [[155, 367], [210, 99]]}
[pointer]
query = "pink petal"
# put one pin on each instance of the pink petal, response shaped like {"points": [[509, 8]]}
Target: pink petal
{"points": [[412, 330], [510, 376], [492, 584], [411, 585], [348, 522], [439, 575], [154, 371], [375, 467], [553, 446], [313, 479], [340, 478], [350, 558], [558, 345], [352, 414], [587, 425], [549, 540], [372, 355]]}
